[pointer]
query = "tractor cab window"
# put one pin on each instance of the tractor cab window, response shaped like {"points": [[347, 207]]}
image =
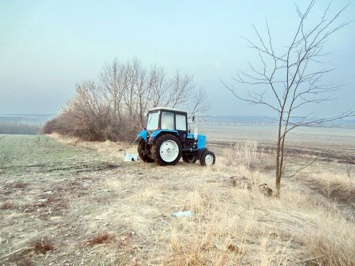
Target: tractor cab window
{"points": [[180, 122], [153, 121], [167, 120]]}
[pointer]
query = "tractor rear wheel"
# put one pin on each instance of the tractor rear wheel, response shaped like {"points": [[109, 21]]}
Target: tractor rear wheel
{"points": [[144, 152], [207, 158], [167, 150]]}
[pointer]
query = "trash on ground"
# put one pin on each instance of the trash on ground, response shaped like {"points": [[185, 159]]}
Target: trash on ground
{"points": [[129, 157], [183, 214]]}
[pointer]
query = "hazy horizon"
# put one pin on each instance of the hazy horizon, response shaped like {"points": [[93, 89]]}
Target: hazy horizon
{"points": [[235, 120]]}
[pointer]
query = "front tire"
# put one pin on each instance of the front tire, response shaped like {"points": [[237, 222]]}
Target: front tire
{"points": [[207, 158], [167, 150]]}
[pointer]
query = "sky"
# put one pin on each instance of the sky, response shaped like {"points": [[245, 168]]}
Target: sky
{"points": [[47, 47]]}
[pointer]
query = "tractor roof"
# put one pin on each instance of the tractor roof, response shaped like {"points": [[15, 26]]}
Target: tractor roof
{"points": [[167, 109]]}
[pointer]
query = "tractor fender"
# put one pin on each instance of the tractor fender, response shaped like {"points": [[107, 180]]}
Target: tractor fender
{"points": [[142, 135], [159, 132]]}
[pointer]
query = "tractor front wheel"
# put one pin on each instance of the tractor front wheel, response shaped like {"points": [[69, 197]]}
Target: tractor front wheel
{"points": [[207, 158], [167, 150]]}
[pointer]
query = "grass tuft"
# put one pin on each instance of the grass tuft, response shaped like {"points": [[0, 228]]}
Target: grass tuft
{"points": [[7, 205], [99, 239], [331, 248], [42, 246]]}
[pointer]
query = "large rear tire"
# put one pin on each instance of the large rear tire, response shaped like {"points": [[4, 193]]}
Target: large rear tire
{"points": [[207, 158], [144, 152], [166, 150]]}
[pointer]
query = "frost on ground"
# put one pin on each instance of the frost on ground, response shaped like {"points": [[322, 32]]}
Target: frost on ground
{"points": [[77, 203]]}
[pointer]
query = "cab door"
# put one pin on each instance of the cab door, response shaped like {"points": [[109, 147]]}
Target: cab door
{"points": [[181, 126]]}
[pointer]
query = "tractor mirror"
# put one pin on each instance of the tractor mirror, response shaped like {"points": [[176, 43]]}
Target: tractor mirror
{"points": [[193, 118]]}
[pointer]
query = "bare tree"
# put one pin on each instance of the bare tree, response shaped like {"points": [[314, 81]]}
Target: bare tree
{"points": [[137, 89], [291, 79], [111, 79], [114, 107]]}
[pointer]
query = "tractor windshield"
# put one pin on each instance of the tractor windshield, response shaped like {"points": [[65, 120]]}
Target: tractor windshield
{"points": [[153, 121]]}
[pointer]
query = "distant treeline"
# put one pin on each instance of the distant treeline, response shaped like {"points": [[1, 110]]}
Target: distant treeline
{"points": [[29, 119], [19, 128]]}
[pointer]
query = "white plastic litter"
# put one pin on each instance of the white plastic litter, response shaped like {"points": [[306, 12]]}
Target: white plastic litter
{"points": [[129, 157], [183, 214]]}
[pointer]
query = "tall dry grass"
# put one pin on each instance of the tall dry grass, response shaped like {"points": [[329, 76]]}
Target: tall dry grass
{"points": [[243, 153], [239, 226], [246, 228]]}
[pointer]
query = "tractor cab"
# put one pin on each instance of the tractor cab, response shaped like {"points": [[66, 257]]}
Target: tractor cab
{"points": [[166, 139], [165, 119]]}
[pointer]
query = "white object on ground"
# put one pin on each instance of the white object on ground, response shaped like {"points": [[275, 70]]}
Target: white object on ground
{"points": [[129, 157], [183, 214]]}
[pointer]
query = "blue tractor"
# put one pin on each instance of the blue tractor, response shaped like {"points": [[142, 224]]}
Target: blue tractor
{"points": [[167, 138]]}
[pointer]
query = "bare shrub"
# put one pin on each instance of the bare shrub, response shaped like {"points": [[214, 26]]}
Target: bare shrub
{"points": [[50, 126], [114, 108]]}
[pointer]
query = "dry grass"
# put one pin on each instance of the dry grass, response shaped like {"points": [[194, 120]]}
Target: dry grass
{"points": [[331, 247], [243, 153], [123, 215], [335, 188]]}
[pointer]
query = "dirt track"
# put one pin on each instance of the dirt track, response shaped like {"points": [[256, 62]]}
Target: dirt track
{"points": [[328, 144], [330, 153]]}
